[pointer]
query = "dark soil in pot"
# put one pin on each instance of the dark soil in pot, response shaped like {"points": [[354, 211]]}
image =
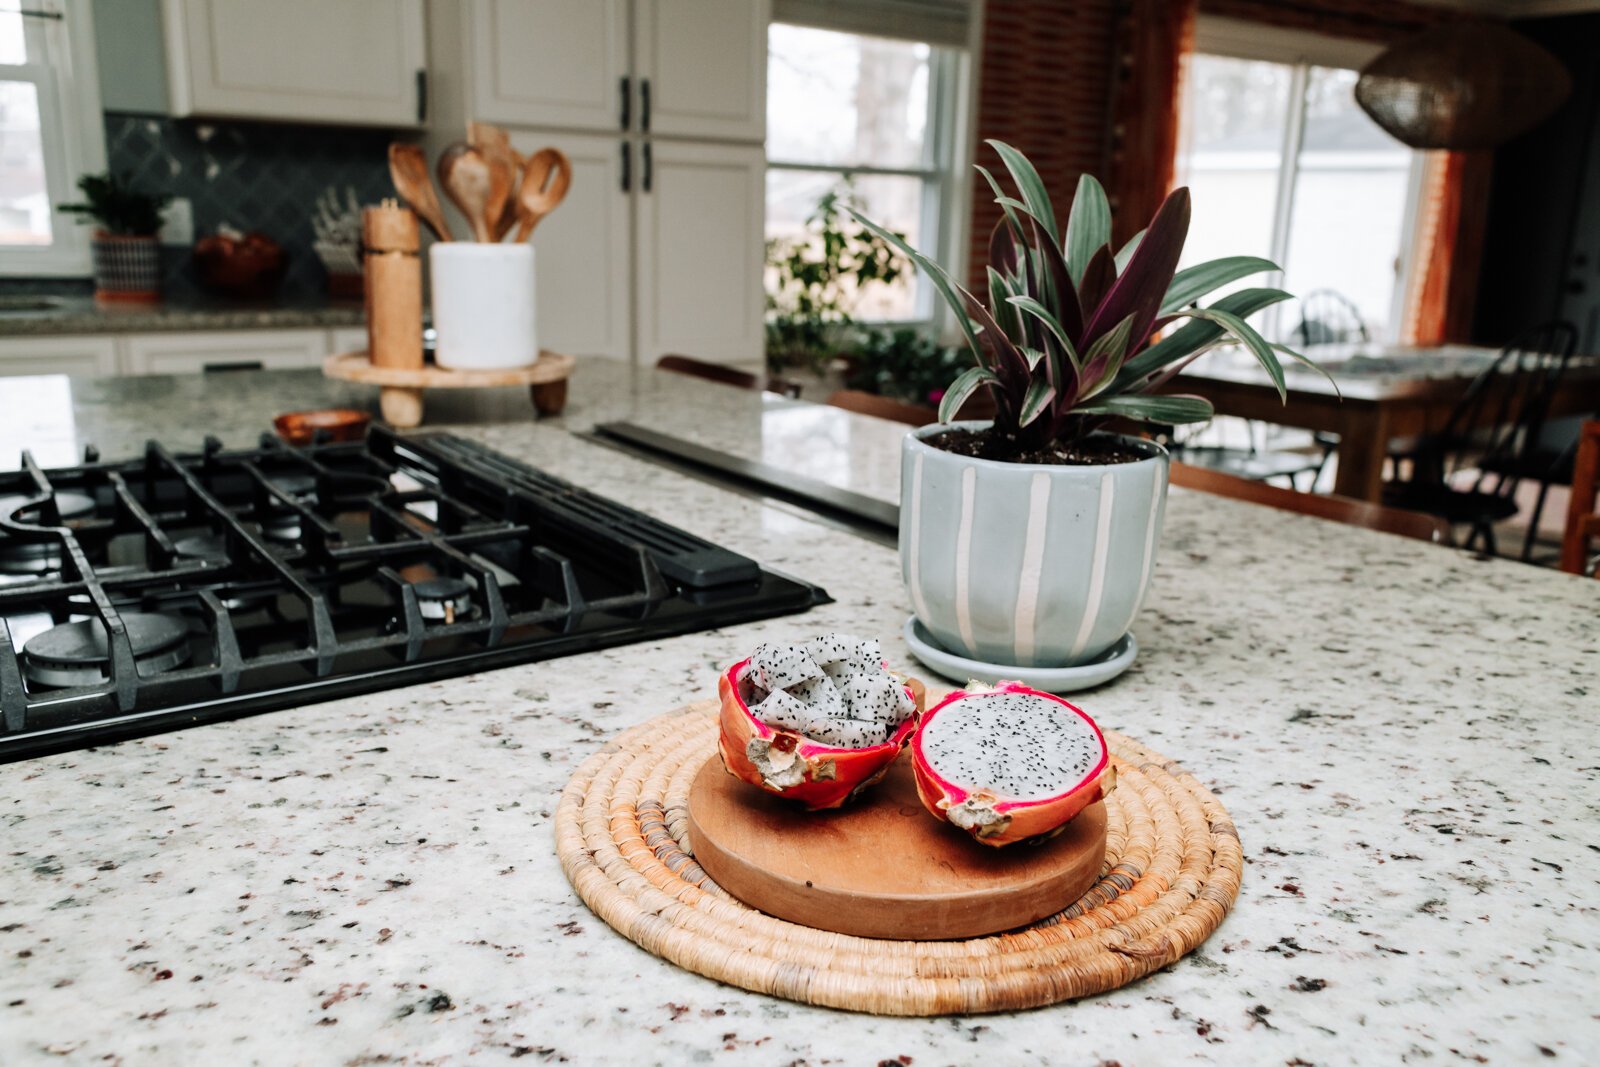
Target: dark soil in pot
{"points": [[991, 444]]}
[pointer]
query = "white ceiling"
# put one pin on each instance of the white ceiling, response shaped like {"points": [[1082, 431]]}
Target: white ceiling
{"points": [[1511, 9]]}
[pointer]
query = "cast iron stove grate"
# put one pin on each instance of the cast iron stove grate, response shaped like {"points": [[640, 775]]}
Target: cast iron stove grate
{"points": [[171, 590]]}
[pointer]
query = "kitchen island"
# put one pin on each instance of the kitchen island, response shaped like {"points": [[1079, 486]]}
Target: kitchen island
{"points": [[1402, 734]]}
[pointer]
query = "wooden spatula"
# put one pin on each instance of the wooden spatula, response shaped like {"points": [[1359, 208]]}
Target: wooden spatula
{"points": [[408, 169], [476, 184], [545, 179], [495, 143]]}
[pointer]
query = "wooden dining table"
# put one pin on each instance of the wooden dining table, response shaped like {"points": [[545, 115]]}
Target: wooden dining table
{"points": [[1378, 392]]}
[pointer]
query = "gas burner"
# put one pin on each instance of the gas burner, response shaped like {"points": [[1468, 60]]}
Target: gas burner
{"points": [[38, 557], [445, 598], [76, 654], [211, 547]]}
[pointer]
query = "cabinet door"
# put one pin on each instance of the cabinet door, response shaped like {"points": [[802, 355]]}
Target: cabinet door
{"points": [[192, 353], [581, 250], [355, 61], [702, 66], [549, 63], [699, 282], [90, 356]]}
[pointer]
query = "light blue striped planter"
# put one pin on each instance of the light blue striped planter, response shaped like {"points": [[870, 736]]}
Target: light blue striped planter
{"points": [[1026, 565]]}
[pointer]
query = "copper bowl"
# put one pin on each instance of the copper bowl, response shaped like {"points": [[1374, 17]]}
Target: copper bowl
{"points": [[341, 424]]}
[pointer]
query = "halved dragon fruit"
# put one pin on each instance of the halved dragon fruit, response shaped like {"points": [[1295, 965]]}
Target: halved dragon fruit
{"points": [[815, 723], [1009, 763]]}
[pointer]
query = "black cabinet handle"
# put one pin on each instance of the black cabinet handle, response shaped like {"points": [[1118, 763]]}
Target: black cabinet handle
{"points": [[644, 105], [226, 368], [648, 167], [422, 95], [627, 101], [627, 166]]}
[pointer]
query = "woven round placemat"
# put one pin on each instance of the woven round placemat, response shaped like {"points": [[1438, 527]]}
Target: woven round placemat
{"points": [[1173, 863]]}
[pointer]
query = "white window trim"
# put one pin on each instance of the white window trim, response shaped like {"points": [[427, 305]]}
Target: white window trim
{"points": [[1300, 49], [69, 106], [952, 101]]}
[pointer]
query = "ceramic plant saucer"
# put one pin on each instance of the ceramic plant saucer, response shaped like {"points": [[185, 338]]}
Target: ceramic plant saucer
{"points": [[1110, 663]]}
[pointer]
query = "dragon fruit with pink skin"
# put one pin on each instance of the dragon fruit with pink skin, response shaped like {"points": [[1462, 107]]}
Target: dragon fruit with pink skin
{"points": [[1009, 763], [816, 722]]}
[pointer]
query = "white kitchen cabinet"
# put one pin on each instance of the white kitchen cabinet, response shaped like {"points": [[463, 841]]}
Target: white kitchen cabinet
{"points": [[698, 273], [90, 355], [701, 67], [549, 63], [194, 352], [360, 62], [672, 68], [582, 251]]}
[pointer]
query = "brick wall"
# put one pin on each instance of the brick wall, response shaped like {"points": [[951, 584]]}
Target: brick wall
{"points": [[1046, 80]]}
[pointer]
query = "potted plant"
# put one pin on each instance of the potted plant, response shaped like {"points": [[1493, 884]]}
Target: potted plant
{"points": [[1029, 540], [815, 279], [127, 257]]}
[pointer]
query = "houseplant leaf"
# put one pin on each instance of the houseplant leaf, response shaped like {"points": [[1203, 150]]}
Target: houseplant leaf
{"points": [[1034, 193], [1147, 408], [1191, 283], [1032, 307], [1252, 340], [941, 281], [1194, 335], [1035, 401], [1096, 282], [1128, 249], [1142, 287], [1088, 226], [962, 388]]}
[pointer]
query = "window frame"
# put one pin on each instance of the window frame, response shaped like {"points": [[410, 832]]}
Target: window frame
{"points": [[71, 127], [951, 83], [1300, 50]]}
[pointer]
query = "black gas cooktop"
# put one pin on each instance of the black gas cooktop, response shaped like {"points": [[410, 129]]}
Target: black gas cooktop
{"points": [[171, 590]]}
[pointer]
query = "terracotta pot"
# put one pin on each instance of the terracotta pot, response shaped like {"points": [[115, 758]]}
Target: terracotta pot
{"points": [[126, 269]]}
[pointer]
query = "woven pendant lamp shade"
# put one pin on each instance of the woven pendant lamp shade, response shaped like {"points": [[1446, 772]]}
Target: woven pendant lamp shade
{"points": [[1462, 86]]}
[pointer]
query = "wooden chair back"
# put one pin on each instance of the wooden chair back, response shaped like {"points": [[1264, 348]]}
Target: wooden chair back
{"points": [[717, 372], [1413, 524], [883, 407], [1582, 522]]}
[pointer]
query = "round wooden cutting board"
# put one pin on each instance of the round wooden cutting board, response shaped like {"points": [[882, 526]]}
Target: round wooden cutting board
{"points": [[882, 867]]}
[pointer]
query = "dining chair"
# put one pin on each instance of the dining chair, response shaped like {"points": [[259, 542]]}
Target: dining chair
{"points": [[1413, 524], [1328, 317], [717, 372], [882, 407], [1493, 431], [1582, 522]]}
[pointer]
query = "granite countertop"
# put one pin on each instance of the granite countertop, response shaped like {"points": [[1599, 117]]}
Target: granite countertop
{"points": [[1402, 733], [80, 314]]}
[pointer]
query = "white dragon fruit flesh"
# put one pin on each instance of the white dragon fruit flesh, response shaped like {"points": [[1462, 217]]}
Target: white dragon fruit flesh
{"points": [[1010, 763], [815, 723], [834, 689]]}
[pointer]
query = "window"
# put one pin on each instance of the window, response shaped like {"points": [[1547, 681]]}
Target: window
{"points": [[1282, 163], [51, 132], [876, 111]]}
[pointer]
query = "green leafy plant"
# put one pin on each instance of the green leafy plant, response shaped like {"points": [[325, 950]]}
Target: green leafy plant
{"points": [[1066, 340], [117, 207], [904, 364], [817, 277]]}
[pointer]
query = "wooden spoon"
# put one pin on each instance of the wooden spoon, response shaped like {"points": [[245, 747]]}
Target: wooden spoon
{"points": [[480, 184], [408, 169], [495, 143], [545, 179]]}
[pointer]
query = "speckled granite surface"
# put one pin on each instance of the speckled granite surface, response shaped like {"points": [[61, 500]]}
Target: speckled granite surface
{"points": [[1404, 736], [82, 315]]}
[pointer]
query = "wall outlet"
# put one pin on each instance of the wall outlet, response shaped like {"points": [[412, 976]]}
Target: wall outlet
{"points": [[177, 222]]}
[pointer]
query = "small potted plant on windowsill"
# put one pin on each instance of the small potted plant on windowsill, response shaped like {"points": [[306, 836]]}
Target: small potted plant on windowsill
{"points": [[127, 256], [1028, 541]]}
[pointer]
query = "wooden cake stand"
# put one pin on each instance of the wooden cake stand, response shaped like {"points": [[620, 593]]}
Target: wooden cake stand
{"points": [[400, 396]]}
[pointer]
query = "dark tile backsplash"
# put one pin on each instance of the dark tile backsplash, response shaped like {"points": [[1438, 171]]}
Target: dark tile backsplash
{"points": [[254, 176]]}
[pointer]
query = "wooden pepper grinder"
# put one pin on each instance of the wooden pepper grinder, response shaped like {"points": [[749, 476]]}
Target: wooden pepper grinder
{"points": [[394, 285]]}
